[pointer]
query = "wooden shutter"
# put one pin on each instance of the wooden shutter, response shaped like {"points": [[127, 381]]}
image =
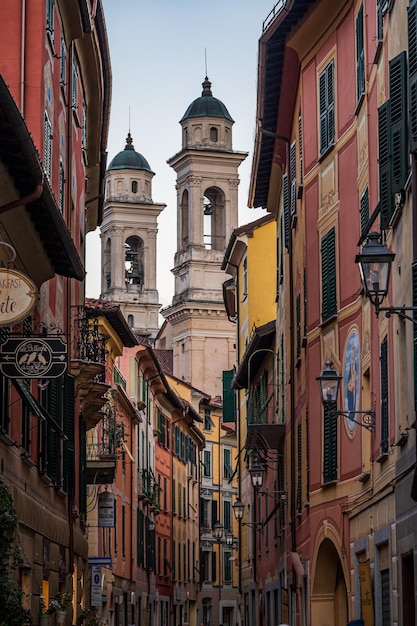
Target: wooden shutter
{"points": [[286, 209], [414, 280], [299, 465], [69, 429], [384, 158], [328, 271], [229, 404], [293, 178], [326, 103], [360, 56], [412, 72], [384, 396], [398, 119], [364, 211], [330, 443], [298, 324]]}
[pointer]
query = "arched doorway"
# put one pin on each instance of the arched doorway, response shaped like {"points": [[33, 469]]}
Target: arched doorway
{"points": [[329, 592]]}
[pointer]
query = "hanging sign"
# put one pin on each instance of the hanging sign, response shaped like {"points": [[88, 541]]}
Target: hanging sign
{"points": [[106, 509], [18, 296], [33, 357]]}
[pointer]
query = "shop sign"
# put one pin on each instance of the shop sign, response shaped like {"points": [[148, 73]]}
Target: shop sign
{"points": [[33, 357], [18, 296], [106, 509]]}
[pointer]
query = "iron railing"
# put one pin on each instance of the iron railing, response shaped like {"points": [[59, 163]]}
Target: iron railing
{"points": [[89, 344]]}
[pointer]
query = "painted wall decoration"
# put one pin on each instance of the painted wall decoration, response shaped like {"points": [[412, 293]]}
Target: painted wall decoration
{"points": [[351, 377]]}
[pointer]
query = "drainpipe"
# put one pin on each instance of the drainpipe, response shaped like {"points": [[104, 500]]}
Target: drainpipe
{"points": [[23, 201], [22, 58]]}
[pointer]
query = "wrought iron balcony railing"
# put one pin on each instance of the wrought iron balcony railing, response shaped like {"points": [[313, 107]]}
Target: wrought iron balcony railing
{"points": [[89, 345], [149, 488]]}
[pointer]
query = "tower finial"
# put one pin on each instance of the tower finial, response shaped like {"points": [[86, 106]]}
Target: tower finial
{"points": [[206, 87], [205, 59]]}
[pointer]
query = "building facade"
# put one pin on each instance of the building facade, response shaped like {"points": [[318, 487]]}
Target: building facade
{"points": [[334, 161], [54, 109]]}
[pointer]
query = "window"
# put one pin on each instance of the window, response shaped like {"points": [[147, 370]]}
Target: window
{"points": [[63, 63], [61, 197], [207, 463], [74, 100], [293, 182], [134, 186], [393, 139], [229, 402], [330, 443], [328, 276], [364, 211], [227, 515], [4, 404], [245, 276], [326, 107], [360, 56], [50, 18], [412, 72], [134, 262], [298, 324], [84, 127], [227, 566], [47, 146], [227, 464], [299, 466], [205, 510], [384, 396], [208, 422], [213, 134]]}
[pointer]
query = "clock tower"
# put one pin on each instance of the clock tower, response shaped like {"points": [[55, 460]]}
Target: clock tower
{"points": [[207, 212]]}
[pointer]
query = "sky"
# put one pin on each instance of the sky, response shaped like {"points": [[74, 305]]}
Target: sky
{"points": [[159, 52]]}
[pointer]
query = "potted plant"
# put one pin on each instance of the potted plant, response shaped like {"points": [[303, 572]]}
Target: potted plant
{"points": [[90, 617], [58, 605]]}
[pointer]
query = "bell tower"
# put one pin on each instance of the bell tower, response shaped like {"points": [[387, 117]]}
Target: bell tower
{"points": [[207, 212], [128, 240]]}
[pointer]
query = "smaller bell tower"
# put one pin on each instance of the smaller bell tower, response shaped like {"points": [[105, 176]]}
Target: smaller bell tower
{"points": [[128, 240]]}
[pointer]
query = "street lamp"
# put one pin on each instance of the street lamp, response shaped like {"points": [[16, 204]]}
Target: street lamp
{"points": [[256, 472], [217, 535], [375, 262], [329, 384]]}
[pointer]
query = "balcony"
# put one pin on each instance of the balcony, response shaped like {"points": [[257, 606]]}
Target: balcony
{"points": [[88, 364], [105, 445], [263, 431], [148, 489]]}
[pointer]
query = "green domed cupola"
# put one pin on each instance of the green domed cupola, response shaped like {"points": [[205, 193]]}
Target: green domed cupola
{"points": [[207, 106], [129, 159]]}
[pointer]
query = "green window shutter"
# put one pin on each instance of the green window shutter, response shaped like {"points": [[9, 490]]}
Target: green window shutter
{"points": [[328, 275], [229, 404], [412, 72], [293, 179], [54, 441], [384, 158], [69, 429], [214, 517], [298, 324], [299, 466], [384, 396], [330, 443], [364, 211], [414, 278], [398, 126], [305, 302], [286, 209], [300, 145], [326, 101], [83, 469], [360, 56]]}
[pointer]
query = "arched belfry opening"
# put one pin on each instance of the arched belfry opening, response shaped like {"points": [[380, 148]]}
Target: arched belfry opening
{"points": [[134, 263], [185, 219], [107, 273], [214, 219]]}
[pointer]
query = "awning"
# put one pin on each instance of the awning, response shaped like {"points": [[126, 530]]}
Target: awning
{"points": [[36, 408], [261, 343], [264, 437]]}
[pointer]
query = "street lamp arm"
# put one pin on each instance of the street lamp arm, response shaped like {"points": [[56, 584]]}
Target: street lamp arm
{"points": [[368, 419], [400, 311]]}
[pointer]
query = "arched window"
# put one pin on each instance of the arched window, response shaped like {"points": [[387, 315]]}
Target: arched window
{"points": [[134, 186], [213, 134], [130, 321], [134, 266]]}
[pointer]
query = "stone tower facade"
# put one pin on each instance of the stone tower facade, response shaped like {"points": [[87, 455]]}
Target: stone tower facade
{"points": [[128, 240], [207, 213]]}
